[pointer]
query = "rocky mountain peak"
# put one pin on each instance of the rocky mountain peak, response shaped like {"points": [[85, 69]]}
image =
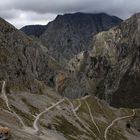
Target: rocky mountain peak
{"points": [[69, 34]]}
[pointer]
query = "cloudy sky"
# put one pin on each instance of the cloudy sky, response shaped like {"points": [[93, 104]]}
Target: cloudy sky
{"points": [[26, 12]]}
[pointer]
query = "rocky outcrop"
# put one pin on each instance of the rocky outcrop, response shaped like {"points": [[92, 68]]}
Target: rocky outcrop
{"points": [[121, 47], [112, 68], [69, 34], [5, 133]]}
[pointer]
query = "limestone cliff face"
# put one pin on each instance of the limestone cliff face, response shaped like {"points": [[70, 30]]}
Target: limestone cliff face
{"points": [[23, 61], [118, 50], [70, 34], [112, 68]]}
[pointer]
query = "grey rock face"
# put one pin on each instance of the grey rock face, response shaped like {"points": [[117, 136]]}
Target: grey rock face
{"points": [[112, 69], [120, 48], [70, 34], [23, 61]]}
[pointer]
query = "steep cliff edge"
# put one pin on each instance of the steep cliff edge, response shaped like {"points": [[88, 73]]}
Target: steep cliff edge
{"points": [[119, 49], [112, 68]]}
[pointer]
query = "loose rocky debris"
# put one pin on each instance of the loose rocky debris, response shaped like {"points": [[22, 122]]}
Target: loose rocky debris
{"points": [[5, 133]]}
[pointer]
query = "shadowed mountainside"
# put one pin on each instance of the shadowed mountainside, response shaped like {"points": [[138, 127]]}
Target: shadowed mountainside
{"points": [[33, 109], [34, 30]]}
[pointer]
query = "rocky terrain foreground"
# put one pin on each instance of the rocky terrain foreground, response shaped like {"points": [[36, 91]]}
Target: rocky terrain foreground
{"points": [[41, 100], [51, 117]]}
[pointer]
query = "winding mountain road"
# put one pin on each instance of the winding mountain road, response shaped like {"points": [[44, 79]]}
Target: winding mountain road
{"points": [[79, 119], [35, 124], [117, 119], [35, 128], [5, 98]]}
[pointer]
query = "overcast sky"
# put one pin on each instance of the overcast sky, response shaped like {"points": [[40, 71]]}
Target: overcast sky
{"points": [[27, 12]]}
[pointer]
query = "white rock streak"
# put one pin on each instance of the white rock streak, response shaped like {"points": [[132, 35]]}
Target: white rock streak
{"points": [[5, 98], [85, 97], [117, 119], [77, 108], [91, 116]]}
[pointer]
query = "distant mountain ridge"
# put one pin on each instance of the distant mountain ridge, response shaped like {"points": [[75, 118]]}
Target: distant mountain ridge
{"points": [[69, 34], [34, 30]]}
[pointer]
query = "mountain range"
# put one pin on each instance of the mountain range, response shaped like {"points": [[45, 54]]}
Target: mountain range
{"points": [[76, 78], [69, 34]]}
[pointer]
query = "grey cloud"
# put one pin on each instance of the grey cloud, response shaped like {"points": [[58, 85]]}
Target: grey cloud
{"points": [[37, 16], [8, 14], [37, 10], [31, 18], [53, 6], [63, 6]]}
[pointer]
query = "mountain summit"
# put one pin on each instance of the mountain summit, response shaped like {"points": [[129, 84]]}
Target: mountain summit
{"points": [[69, 34]]}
